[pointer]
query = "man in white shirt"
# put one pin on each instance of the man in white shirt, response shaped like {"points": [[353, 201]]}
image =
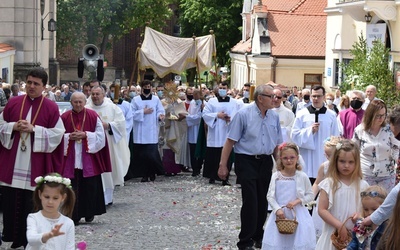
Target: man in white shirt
{"points": [[306, 102], [370, 93]]}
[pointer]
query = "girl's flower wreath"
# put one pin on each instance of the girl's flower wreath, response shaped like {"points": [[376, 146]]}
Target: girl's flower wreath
{"points": [[53, 178]]}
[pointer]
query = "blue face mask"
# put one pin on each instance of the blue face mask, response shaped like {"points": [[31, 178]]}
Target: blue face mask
{"points": [[198, 102], [112, 95], [132, 94], [222, 92], [160, 93]]}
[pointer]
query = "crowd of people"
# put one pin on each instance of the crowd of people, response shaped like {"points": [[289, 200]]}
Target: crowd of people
{"points": [[288, 148]]}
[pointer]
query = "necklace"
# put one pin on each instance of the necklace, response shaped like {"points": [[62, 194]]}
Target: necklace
{"points": [[78, 128], [23, 145]]}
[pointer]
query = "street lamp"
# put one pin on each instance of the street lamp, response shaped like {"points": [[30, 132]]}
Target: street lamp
{"points": [[368, 17], [51, 26]]}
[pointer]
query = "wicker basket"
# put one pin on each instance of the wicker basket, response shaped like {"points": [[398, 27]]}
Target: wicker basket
{"points": [[336, 239], [287, 226]]}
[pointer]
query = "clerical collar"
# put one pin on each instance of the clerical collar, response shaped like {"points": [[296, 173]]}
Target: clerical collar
{"points": [[312, 110], [220, 99], [145, 98]]}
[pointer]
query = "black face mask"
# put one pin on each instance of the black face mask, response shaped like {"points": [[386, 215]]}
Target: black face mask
{"points": [[356, 104], [189, 97], [146, 91], [306, 97]]}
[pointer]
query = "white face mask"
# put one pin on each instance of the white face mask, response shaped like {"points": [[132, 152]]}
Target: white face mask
{"points": [[246, 94], [329, 102]]}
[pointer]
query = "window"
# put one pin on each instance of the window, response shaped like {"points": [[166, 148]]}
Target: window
{"points": [[345, 62], [312, 79]]}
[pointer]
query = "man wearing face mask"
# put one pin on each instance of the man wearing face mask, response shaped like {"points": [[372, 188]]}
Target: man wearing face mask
{"points": [[193, 106], [217, 114], [246, 93], [160, 91], [306, 101], [350, 118], [148, 111]]}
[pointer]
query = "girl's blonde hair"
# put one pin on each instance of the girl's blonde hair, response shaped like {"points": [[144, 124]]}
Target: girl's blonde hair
{"points": [[332, 141], [285, 146], [345, 145], [376, 192]]}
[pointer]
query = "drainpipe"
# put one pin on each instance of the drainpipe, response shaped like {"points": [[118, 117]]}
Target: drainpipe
{"points": [[273, 67], [248, 66]]}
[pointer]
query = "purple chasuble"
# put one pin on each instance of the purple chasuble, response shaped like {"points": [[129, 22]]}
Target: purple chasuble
{"points": [[92, 164], [41, 163]]}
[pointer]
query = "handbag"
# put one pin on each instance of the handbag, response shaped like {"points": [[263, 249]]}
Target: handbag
{"points": [[287, 226], [336, 239]]}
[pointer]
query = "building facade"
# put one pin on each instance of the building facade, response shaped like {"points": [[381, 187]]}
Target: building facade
{"points": [[25, 27], [282, 41]]}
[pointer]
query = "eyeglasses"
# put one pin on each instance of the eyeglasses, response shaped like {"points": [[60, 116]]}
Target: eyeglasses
{"points": [[380, 116], [292, 158], [372, 194], [270, 96], [278, 97], [316, 96]]}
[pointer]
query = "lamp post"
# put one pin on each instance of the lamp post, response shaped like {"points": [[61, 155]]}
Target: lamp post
{"points": [[368, 17]]}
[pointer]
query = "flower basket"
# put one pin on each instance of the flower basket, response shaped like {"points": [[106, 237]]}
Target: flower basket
{"points": [[336, 239], [287, 226]]}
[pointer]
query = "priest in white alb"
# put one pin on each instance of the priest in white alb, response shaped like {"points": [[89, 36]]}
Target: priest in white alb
{"points": [[114, 125], [311, 127]]}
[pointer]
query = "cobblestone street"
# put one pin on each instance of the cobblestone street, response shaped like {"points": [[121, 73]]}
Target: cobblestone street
{"points": [[181, 212]]}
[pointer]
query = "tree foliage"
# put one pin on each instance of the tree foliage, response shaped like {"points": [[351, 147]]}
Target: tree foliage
{"points": [[370, 66], [198, 17], [95, 21]]}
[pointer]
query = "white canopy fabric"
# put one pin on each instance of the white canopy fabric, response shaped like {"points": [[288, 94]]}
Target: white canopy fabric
{"points": [[167, 54]]}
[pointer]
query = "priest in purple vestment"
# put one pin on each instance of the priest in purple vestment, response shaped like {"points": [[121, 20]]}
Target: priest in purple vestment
{"points": [[31, 135], [86, 157]]}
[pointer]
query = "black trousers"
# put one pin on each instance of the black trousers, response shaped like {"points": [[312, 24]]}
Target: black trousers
{"points": [[17, 204], [195, 162], [255, 175]]}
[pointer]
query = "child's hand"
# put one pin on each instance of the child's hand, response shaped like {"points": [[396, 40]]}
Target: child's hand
{"points": [[343, 233], [56, 230], [291, 204], [355, 217], [280, 214]]}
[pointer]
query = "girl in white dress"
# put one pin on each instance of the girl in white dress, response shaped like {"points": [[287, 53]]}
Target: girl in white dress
{"points": [[49, 228], [339, 197], [329, 148], [289, 187]]}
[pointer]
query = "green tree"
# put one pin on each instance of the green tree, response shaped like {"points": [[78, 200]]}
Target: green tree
{"points": [[96, 21], [370, 66], [198, 17]]}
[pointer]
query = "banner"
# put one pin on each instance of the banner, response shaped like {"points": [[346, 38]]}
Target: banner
{"points": [[168, 54], [376, 31]]}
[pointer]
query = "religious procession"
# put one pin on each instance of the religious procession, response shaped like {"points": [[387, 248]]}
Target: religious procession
{"points": [[315, 168]]}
